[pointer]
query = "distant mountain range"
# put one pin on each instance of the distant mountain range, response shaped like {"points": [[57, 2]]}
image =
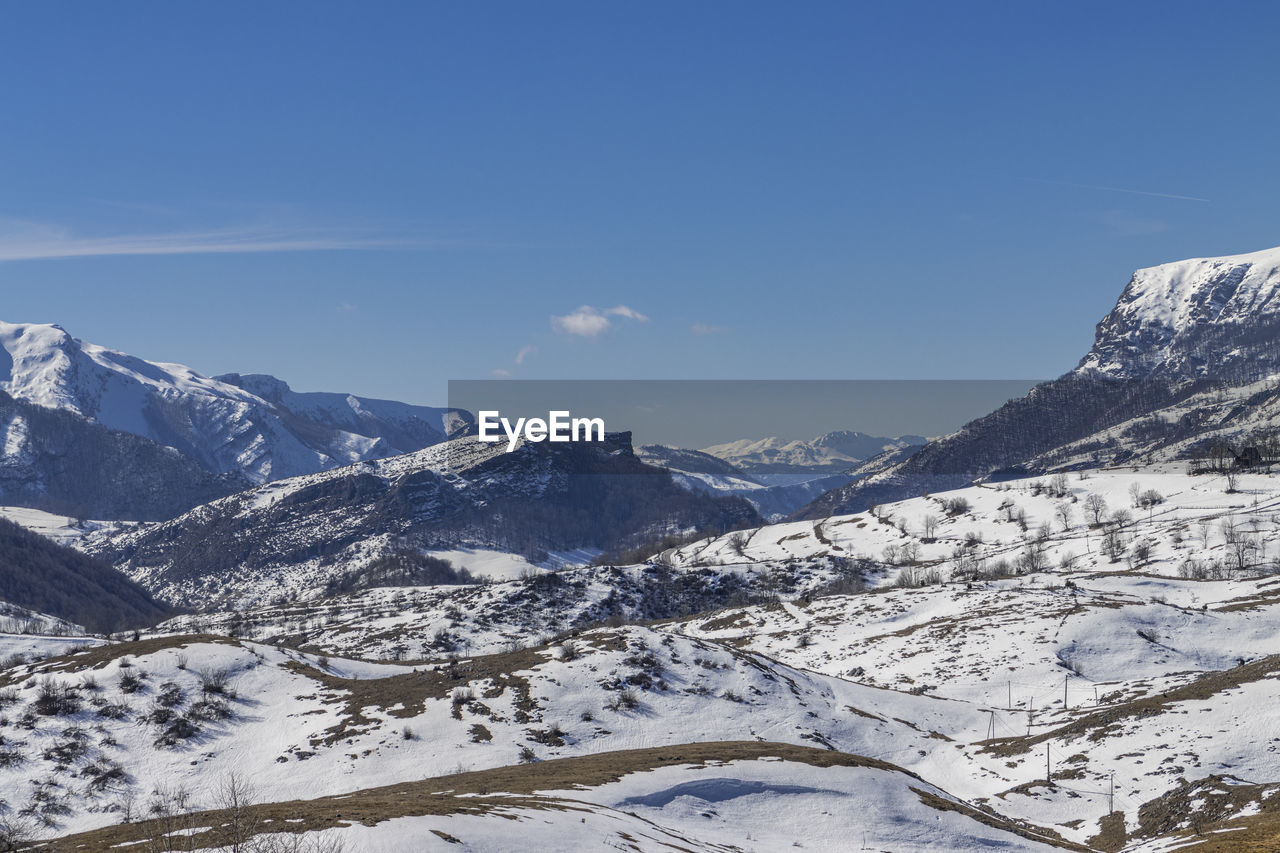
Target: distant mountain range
{"points": [[244, 429], [777, 477], [833, 453]]}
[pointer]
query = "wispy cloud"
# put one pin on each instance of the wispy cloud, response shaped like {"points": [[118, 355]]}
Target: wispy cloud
{"points": [[346, 308], [524, 353], [1114, 189], [590, 322], [499, 373], [28, 241], [705, 329]]}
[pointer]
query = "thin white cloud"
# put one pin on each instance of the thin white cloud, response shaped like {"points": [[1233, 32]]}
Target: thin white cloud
{"points": [[705, 329], [346, 308], [500, 373], [1115, 189], [624, 311], [29, 241], [524, 353], [590, 322]]}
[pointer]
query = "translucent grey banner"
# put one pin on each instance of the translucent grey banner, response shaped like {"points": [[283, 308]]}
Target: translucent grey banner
{"points": [[696, 414]]}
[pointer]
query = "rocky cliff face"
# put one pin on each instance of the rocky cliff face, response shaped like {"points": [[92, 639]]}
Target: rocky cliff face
{"points": [[1213, 318]]}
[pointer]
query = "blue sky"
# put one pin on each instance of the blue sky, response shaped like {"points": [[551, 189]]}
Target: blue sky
{"points": [[378, 197]]}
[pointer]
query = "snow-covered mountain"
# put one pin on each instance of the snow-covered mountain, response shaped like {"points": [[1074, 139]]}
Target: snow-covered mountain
{"points": [[832, 453], [1216, 318], [254, 426], [299, 537], [56, 460], [1186, 360]]}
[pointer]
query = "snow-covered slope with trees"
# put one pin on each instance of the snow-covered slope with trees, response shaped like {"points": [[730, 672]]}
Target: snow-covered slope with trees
{"points": [[305, 536], [1124, 620]]}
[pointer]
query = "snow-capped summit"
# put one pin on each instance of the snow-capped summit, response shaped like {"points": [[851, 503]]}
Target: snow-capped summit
{"points": [[254, 425], [1204, 317]]}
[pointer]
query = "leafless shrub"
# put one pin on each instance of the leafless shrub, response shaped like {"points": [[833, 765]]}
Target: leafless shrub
{"points": [[625, 700], [216, 682], [55, 699]]}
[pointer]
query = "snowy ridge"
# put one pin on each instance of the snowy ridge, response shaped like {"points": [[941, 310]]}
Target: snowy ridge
{"points": [[830, 453], [263, 430]]}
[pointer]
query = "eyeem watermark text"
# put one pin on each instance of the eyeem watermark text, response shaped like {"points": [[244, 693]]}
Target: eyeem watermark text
{"points": [[558, 426]]}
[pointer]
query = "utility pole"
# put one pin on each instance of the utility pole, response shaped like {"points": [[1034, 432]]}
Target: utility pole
{"points": [[1065, 678], [1010, 705], [1111, 796], [1048, 775], [991, 725], [1096, 701]]}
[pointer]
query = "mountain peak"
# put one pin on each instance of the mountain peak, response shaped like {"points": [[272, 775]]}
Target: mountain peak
{"points": [[1202, 317], [246, 424], [262, 385]]}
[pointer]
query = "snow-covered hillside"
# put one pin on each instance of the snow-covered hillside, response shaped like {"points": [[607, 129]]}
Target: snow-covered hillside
{"points": [[113, 733], [302, 537], [62, 529], [251, 425], [1123, 620]]}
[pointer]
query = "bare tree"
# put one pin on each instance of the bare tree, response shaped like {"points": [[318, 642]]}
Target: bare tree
{"points": [[171, 809], [1065, 514], [1096, 506], [16, 831], [1059, 485], [1113, 544], [930, 526], [1205, 528], [235, 796]]}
